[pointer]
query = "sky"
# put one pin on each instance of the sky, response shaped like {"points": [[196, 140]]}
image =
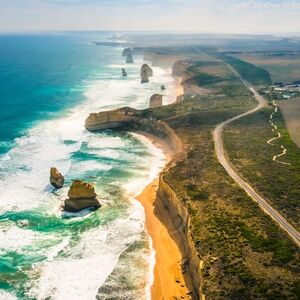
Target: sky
{"points": [[209, 16]]}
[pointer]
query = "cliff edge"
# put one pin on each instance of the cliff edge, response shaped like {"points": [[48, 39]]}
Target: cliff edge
{"points": [[167, 202]]}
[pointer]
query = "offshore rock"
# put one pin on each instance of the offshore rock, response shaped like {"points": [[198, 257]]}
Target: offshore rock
{"points": [[146, 72], [126, 51], [147, 69], [156, 100], [162, 88], [124, 73], [129, 59], [56, 179], [81, 195], [144, 76]]}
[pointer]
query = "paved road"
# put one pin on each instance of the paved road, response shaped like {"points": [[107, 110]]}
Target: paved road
{"points": [[263, 203]]}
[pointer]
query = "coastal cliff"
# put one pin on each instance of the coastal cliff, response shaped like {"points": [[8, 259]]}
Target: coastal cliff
{"points": [[168, 207], [179, 230], [127, 118]]}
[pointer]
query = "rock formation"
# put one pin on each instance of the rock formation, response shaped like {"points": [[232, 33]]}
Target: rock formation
{"points": [[81, 195], [147, 69], [146, 72], [126, 51], [162, 88], [129, 59], [110, 119], [56, 179], [124, 73], [144, 76], [156, 100]]}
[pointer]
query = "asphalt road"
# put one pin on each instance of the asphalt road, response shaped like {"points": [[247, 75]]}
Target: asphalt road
{"points": [[262, 202]]}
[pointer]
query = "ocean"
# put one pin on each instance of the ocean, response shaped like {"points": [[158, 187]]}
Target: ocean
{"points": [[48, 86]]}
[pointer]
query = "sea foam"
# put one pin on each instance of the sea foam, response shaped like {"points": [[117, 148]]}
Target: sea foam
{"points": [[75, 268]]}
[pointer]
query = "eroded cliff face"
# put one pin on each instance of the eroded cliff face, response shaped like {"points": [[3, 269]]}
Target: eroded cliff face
{"points": [[167, 203], [117, 118], [168, 207]]}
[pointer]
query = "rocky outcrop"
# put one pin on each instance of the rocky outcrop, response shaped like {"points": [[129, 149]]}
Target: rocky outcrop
{"points": [[162, 88], [110, 119], [124, 73], [126, 51], [147, 69], [129, 59], [56, 179], [81, 195], [156, 100], [146, 72], [144, 76], [127, 118]]}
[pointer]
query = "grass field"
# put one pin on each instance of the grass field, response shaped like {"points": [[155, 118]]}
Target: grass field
{"points": [[291, 112], [282, 69], [254, 74], [245, 255]]}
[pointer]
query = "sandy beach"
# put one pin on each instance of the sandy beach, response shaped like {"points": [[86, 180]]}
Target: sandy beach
{"points": [[168, 279]]}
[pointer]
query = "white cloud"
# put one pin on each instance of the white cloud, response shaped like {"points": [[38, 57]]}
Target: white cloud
{"points": [[243, 16]]}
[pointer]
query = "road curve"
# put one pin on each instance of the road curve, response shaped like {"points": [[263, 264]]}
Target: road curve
{"points": [[220, 152]]}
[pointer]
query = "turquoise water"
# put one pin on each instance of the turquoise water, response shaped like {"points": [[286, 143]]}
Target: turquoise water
{"points": [[48, 86]]}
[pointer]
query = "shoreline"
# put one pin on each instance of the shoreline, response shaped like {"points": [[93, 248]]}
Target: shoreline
{"points": [[168, 280], [166, 219]]}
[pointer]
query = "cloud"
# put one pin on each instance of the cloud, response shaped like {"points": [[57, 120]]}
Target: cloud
{"points": [[240, 16]]}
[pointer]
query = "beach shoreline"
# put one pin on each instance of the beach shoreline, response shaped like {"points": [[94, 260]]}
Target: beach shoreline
{"points": [[168, 281]]}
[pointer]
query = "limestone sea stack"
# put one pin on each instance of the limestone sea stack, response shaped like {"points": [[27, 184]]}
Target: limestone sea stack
{"points": [[144, 76], [156, 100], [81, 195], [147, 69], [146, 72], [124, 73], [129, 59], [126, 51], [56, 179]]}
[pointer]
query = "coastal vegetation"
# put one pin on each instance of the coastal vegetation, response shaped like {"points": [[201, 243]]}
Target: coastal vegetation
{"points": [[246, 143], [244, 254], [282, 68], [254, 74], [291, 113]]}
